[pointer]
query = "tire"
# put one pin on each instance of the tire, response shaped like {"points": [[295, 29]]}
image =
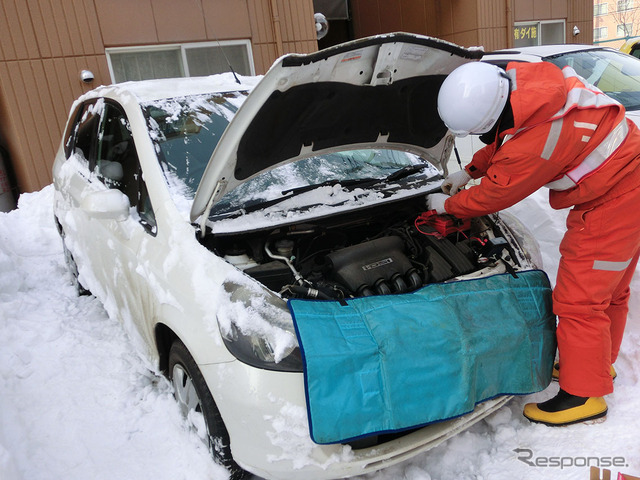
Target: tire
{"points": [[193, 397]]}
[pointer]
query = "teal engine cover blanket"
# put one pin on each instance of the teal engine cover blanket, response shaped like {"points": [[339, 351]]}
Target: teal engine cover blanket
{"points": [[393, 362]]}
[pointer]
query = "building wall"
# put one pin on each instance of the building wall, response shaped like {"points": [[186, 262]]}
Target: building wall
{"points": [[615, 17], [486, 23], [44, 44]]}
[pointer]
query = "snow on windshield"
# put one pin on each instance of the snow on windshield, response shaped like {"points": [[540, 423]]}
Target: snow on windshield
{"points": [[347, 165], [185, 131]]}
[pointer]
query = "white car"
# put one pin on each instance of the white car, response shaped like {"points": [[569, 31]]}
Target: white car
{"points": [[615, 73], [203, 215]]}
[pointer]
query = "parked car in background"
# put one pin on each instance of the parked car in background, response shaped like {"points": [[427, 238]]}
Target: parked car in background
{"points": [[631, 47], [616, 74], [195, 208]]}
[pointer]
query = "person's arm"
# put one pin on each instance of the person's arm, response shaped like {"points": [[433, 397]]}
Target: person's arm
{"points": [[508, 179], [480, 162]]}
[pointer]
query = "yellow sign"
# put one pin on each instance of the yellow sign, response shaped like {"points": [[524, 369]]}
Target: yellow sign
{"points": [[525, 32]]}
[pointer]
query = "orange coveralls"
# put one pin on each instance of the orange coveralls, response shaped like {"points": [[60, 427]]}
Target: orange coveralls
{"points": [[574, 139]]}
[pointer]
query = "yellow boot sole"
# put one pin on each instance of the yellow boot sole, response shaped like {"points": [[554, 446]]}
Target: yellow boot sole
{"points": [[594, 407]]}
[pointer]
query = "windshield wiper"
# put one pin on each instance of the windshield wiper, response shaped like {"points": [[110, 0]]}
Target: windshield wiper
{"points": [[405, 172], [330, 183], [292, 192], [362, 182], [397, 175]]}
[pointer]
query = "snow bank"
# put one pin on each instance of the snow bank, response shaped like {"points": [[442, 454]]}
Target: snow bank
{"points": [[76, 402]]}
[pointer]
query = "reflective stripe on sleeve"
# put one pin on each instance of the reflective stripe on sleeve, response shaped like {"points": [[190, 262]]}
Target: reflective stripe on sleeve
{"points": [[611, 266], [552, 139]]}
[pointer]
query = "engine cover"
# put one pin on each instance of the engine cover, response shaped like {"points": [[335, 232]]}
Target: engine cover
{"points": [[374, 267]]}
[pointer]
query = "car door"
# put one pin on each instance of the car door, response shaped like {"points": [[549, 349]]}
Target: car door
{"points": [[110, 212]]}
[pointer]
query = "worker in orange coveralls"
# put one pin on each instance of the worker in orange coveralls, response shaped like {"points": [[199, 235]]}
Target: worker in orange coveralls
{"points": [[544, 126]]}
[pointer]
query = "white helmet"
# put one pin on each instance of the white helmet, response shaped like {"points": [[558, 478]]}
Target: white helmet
{"points": [[472, 98]]}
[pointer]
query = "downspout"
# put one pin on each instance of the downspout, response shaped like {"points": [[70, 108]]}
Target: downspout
{"points": [[276, 28], [509, 24]]}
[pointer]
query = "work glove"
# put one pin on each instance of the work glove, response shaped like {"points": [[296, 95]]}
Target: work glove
{"points": [[454, 182], [435, 201]]}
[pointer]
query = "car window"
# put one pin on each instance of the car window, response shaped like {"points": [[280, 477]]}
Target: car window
{"points": [[69, 134], [616, 74], [84, 132], [186, 131], [117, 164], [339, 166], [101, 136]]}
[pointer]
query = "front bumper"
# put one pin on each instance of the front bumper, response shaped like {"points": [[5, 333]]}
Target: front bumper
{"points": [[265, 414]]}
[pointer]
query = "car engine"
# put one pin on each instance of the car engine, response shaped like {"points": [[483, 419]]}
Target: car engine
{"points": [[381, 250]]}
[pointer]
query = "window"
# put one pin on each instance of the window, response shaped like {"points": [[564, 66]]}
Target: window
{"points": [[186, 60], [538, 33], [82, 138], [600, 33], [624, 30], [625, 5], [600, 9], [117, 163], [101, 137], [186, 131]]}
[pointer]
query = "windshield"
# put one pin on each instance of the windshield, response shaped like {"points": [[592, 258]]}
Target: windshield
{"points": [[185, 132], [341, 166], [615, 73]]}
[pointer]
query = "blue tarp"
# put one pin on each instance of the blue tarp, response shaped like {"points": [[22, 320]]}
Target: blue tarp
{"points": [[388, 363]]}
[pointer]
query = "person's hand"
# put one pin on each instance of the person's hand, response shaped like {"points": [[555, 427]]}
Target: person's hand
{"points": [[454, 182], [435, 201]]}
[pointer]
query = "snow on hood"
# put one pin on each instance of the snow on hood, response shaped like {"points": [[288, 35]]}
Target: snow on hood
{"points": [[376, 92]]}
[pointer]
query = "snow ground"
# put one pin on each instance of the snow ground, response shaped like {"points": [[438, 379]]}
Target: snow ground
{"points": [[78, 403]]}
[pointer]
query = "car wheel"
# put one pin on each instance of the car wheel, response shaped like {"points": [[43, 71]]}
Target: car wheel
{"points": [[198, 407], [73, 268]]}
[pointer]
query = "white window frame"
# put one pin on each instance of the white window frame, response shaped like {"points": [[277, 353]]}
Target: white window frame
{"points": [[625, 32], [540, 23], [626, 4], [598, 7], [600, 29], [182, 47]]}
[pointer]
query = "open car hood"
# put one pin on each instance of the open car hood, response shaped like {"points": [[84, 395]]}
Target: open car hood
{"points": [[376, 92]]}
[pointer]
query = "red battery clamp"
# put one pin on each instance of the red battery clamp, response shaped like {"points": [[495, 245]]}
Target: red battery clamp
{"points": [[443, 225]]}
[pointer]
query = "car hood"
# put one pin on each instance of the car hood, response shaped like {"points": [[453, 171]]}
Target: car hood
{"points": [[376, 92]]}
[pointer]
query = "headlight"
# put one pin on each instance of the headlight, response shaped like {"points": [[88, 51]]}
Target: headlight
{"points": [[258, 330], [255, 350]]}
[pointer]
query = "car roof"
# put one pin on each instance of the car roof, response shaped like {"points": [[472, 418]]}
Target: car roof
{"points": [[537, 53], [149, 90]]}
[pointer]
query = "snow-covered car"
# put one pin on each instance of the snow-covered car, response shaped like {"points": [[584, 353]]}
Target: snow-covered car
{"points": [[615, 73], [206, 215]]}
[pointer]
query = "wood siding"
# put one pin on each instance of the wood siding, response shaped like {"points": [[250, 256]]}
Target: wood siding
{"points": [[45, 44], [484, 23]]}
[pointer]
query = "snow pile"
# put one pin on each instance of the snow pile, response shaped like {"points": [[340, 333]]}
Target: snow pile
{"points": [[77, 402]]}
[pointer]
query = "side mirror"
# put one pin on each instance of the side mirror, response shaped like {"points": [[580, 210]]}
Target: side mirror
{"points": [[107, 205]]}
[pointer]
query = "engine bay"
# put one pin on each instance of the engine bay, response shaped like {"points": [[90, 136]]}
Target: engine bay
{"points": [[380, 250]]}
